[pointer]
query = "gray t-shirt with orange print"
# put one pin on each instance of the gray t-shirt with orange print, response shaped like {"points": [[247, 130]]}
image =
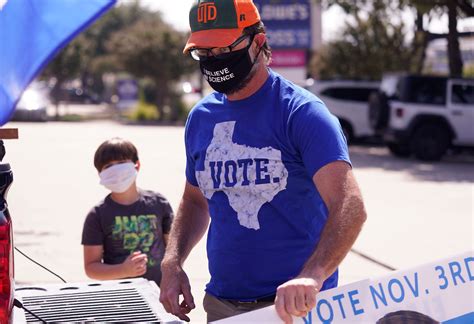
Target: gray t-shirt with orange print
{"points": [[123, 229]]}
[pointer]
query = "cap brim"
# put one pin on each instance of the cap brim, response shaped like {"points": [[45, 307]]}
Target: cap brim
{"points": [[213, 38]]}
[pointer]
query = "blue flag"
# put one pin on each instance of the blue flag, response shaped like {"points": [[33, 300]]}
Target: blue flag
{"points": [[31, 32]]}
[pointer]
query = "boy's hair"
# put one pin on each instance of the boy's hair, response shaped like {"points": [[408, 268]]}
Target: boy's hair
{"points": [[114, 149]]}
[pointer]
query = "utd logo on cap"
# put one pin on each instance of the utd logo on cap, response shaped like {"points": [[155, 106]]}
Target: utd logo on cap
{"points": [[206, 12], [218, 23]]}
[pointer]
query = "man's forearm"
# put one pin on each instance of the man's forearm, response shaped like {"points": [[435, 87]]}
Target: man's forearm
{"points": [[339, 234], [189, 226]]}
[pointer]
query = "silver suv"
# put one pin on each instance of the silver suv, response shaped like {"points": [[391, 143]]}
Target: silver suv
{"points": [[423, 115], [348, 101]]}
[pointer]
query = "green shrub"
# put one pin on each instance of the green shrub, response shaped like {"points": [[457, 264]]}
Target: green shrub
{"points": [[144, 112], [468, 71]]}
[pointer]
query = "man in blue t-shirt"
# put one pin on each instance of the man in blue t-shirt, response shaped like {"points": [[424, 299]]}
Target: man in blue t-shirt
{"points": [[269, 166]]}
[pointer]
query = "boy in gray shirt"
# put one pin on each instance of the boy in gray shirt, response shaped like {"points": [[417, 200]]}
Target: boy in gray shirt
{"points": [[125, 235]]}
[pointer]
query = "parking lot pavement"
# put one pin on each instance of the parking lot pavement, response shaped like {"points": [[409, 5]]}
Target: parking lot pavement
{"points": [[417, 212], [89, 111]]}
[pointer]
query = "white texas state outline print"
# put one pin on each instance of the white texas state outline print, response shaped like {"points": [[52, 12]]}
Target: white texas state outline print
{"points": [[249, 176]]}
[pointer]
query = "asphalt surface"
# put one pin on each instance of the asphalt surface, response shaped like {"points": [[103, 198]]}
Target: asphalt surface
{"points": [[417, 212], [89, 111]]}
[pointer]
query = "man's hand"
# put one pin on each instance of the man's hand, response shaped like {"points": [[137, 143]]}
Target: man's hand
{"points": [[296, 297], [135, 264], [175, 282]]}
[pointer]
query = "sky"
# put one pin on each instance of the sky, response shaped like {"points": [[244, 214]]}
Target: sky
{"points": [[332, 20]]}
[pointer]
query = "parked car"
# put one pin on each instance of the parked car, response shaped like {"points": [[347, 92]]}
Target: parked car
{"points": [[423, 115], [348, 101], [80, 96], [33, 103]]}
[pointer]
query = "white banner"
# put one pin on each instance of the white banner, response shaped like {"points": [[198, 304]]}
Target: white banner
{"points": [[441, 291]]}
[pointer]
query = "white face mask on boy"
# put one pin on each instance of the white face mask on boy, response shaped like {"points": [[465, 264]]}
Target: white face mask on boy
{"points": [[119, 177]]}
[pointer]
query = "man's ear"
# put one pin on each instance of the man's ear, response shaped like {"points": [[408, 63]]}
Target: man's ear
{"points": [[260, 39], [137, 165]]}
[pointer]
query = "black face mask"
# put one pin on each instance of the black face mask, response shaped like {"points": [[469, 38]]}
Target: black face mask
{"points": [[228, 71]]}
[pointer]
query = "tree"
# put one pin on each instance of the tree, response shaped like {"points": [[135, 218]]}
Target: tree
{"points": [[454, 10], [66, 65], [128, 38], [87, 57], [421, 38], [422, 9], [97, 59], [152, 49], [369, 46]]}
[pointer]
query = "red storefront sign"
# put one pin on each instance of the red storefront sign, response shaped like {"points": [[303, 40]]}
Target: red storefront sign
{"points": [[288, 58]]}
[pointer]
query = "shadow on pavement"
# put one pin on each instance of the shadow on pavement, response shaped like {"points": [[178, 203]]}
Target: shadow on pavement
{"points": [[452, 168]]}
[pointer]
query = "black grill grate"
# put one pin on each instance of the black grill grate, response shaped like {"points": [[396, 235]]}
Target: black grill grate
{"points": [[113, 305]]}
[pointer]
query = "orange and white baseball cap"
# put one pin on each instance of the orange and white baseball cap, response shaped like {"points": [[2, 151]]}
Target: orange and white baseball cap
{"points": [[218, 23]]}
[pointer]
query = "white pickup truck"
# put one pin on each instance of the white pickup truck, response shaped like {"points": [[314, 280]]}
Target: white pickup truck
{"points": [[423, 115]]}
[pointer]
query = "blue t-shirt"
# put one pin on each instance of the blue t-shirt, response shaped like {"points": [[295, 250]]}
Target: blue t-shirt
{"points": [[254, 160]]}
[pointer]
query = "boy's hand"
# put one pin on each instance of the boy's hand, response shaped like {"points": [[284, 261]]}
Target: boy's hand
{"points": [[135, 264]]}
